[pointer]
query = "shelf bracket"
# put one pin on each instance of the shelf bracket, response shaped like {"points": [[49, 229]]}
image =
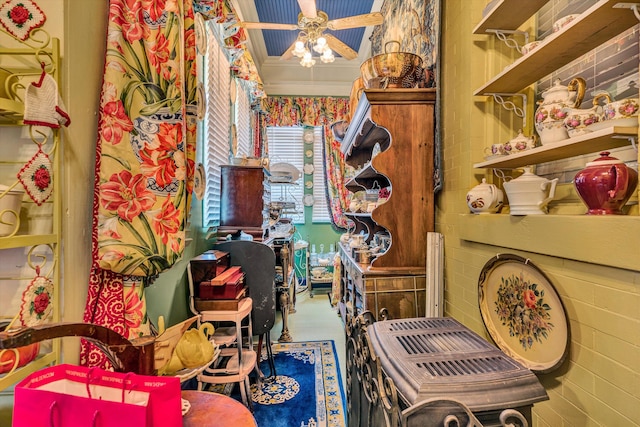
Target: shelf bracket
{"points": [[631, 139], [510, 106], [632, 6], [505, 37]]}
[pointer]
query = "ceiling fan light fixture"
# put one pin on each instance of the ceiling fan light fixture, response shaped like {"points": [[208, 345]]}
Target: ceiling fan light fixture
{"points": [[299, 49], [327, 56], [307, 60], [321, 45]]}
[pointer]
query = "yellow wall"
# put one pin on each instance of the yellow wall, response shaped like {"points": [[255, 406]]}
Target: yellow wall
{"points": [[599, 383]]}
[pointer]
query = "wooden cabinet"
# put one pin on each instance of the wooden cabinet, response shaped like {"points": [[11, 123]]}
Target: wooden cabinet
{"points": [[31, 238], [390, 142], [242, 200]]}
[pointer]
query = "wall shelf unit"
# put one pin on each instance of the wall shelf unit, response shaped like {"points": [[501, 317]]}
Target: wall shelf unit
{"points": [[600, 140], [34, 244], [508, 15], [593, 27]]}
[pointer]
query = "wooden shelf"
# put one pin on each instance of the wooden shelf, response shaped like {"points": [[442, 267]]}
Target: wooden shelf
{"points": [[600, 140], [508, 15], [43, 360], [10, 111], [27, 240], [532, 233], [595, 26]]}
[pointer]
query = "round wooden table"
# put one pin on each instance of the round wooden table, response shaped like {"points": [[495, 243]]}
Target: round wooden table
{"points": [[213, 409]]}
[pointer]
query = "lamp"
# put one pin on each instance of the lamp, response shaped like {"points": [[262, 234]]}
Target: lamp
{"points": [[311, 40]]}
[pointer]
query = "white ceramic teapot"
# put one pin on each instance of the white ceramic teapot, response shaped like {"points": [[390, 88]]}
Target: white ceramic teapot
{"points": [[551, 111], [485, 198], [530, 194], [520, 143]]}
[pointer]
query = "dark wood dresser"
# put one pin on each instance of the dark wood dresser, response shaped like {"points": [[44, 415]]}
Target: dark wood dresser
{"points": [[242, 200]]}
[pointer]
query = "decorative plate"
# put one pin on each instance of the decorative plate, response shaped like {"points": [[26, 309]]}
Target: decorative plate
{"points": [[307, 136], [201, 98], [309, 153], [233, 90], [308, 168], [199, 183], [308, 200], [201, 33], [523, 313], [308, 184]]}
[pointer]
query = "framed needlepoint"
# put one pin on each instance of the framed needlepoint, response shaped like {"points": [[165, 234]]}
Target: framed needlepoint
{"points": [[523, 312]]}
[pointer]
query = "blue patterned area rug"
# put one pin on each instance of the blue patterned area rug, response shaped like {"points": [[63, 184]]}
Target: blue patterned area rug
{"points": [[307, 391]]}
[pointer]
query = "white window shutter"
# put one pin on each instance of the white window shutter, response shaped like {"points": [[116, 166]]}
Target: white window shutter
{"points": [[216, 124]]}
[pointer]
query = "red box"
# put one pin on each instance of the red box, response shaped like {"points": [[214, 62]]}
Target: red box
{"points": [[228, 288], [207, 266]]}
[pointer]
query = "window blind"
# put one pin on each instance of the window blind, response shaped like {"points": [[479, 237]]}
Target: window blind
{"points": [[216, 123], [286, 146], [243, 120], [320, 205]]}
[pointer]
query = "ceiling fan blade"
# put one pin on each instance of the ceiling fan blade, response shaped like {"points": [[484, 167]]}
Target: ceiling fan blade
{"points": [[339, 47], [288, 54], [355, 21], [308, 8], [268, 26]]}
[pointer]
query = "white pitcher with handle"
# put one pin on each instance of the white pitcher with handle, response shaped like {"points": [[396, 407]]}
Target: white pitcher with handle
{"points": [[530, 194]]}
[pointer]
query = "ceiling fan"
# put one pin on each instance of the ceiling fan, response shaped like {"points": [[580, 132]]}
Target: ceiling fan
{"points": [[312, 24]]}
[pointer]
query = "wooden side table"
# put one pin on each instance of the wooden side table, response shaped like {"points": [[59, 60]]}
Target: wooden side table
{"points": [[213, 409]]}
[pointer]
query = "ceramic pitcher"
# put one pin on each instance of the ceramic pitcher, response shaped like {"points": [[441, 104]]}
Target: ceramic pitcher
{"points": [[529, 194], [552, 109], [605, 185]]}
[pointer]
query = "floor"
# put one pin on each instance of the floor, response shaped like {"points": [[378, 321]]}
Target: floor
{"points": [[314, 320]]}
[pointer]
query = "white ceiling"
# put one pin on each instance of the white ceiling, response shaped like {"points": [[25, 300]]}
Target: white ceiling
{"points": [[289, 77]]}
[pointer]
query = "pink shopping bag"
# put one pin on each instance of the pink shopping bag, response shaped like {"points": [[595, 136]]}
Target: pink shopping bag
{"points": [[76, 396]]}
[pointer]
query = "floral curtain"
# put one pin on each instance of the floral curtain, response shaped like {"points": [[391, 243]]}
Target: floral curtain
{"points": [[318, 111], [144, 160]]}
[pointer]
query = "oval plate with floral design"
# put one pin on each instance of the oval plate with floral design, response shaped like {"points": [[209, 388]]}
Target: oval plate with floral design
{"points": [[523, 313]]}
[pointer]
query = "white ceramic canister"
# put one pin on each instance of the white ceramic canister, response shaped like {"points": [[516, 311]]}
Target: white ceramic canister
{"points": [[530, 194], [10, 203]]}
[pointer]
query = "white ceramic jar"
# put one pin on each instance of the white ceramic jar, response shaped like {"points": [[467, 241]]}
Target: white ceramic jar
{"points": [[485, 198]]}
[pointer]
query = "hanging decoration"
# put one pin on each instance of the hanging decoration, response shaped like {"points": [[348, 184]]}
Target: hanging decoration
{"points": [[37, 301], [20, 17], [37, 177], [42, 103]]}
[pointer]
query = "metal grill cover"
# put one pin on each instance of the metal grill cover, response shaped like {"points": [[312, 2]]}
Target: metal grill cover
{"points": [[438, 357]]}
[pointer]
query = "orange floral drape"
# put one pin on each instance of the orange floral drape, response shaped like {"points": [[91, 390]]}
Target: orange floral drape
{"points": [[145, 154], [317, 111]]}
